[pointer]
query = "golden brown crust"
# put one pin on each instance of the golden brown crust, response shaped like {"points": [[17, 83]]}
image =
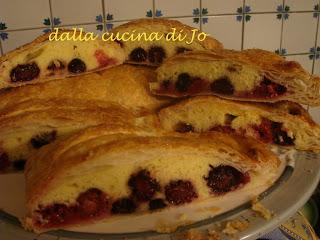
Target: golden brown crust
{"points": [[125, 85], [80, 151], [165, 26], [207, 112], [301, 86]]}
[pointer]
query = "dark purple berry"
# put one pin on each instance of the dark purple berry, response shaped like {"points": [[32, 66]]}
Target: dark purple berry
{"points": [[4, 161], [156, 55], [76, 65], [222, 86], [183, 82], [123, 205], [143, 186], [184, 127], [24, 72], [138, 55]]}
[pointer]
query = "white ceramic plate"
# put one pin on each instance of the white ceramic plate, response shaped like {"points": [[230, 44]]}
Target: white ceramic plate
{"points": [[284, 198]]}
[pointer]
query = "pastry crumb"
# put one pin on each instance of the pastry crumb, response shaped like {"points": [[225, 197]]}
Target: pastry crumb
{"points": [[213, 235], [261, 210], [194, 235], [234, 226]]}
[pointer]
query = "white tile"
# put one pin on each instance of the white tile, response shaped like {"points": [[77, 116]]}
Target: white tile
{"points": [[262, 31], [19, 14], [121, 11], [226, 29], [301, 5], [18, 38], [170, 8], [189, 21], [304, 60], [263, 5], [76, 11], [315, 114], [222, 6], [299, 32]]}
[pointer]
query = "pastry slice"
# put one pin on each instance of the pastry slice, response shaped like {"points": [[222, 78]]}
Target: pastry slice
{"points": [[125, 85], [30, 125], [154, 52], [283, 123], [248, 75], [109, 172], [44, 60]]}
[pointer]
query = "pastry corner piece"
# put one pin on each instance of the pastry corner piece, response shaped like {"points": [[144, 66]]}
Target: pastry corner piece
{"points": [[283, 123], [43, 60], [111, 172], [248, 75], [154, 52]]}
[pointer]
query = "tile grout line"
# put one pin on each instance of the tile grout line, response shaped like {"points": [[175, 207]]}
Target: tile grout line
{"points": [[281, 31], [200, 19], [153, 8], [242, 29], [315, 43], [51, 15], [104, 22]]}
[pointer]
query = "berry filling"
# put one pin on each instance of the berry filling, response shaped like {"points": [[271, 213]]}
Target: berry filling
{"points": [[156, 55], [138, 55], [43, 139], [24, 72], [143, 186], [272, 132], [188, 85], [103, 59], [76, 65], [266, 89], [223, 179], [91, 204], [222, 86], [180, 192]]}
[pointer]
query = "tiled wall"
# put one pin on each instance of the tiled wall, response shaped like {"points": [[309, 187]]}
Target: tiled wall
{"points": [[287, 27]]}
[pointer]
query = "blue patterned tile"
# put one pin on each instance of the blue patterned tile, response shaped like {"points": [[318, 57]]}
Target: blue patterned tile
{"points": [[243, 13], [149, 13], [283, 12], [317, 11], [281, 51], [315, 53], [3, 36]]}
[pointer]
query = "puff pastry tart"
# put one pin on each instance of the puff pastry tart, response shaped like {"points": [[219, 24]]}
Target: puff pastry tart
{"points": [[109, 172], [30, 125], [283, 123], [154, 52], [125, 85], [43, 60], [248, 75]]}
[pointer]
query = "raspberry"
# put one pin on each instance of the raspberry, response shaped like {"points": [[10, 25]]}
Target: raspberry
{"points": [[92, 202], [223, 179], [76, 65], [56, 213], [180, 192], [24, 72], [143, 186]]}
